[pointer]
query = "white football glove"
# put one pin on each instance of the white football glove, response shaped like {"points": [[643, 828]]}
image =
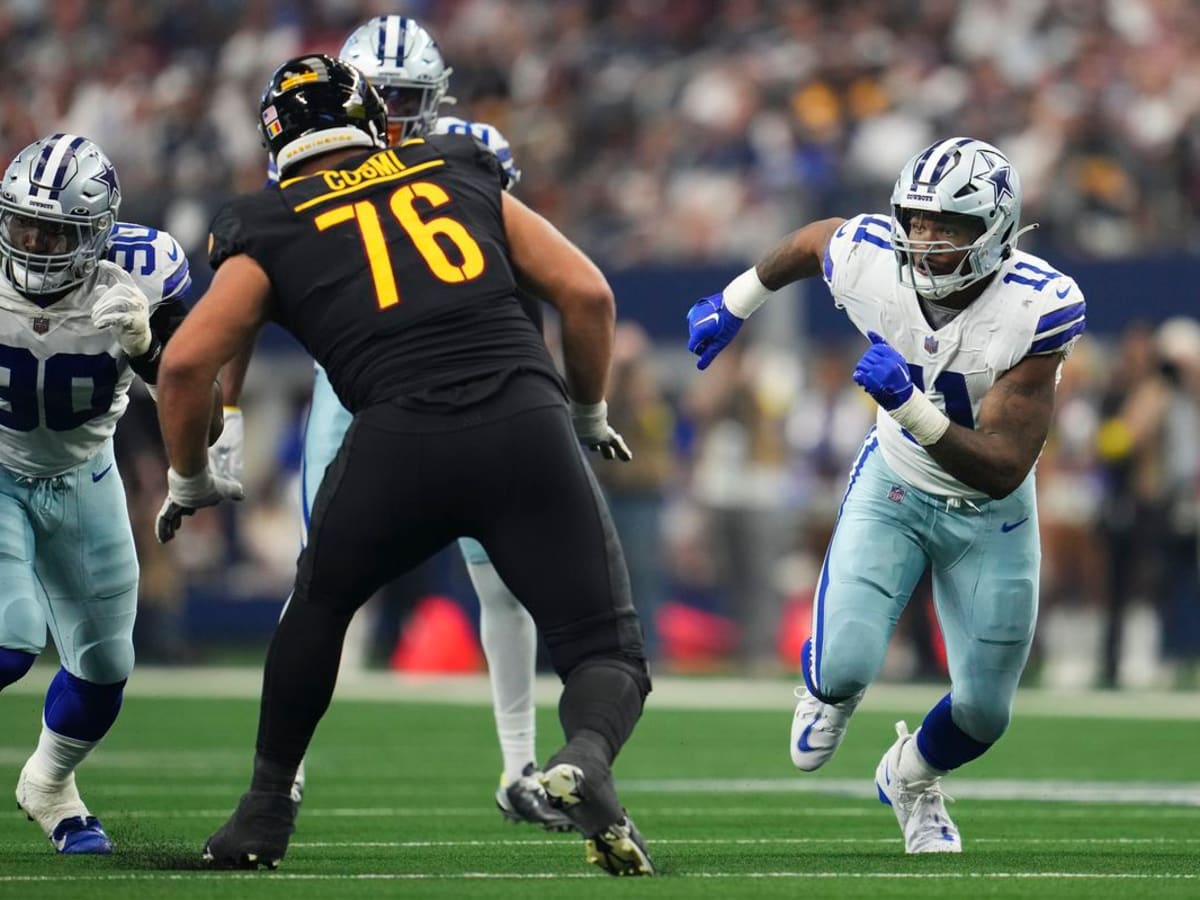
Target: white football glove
{"points": [[594, 432], [123, 309], [225, 456], [188, 493]]}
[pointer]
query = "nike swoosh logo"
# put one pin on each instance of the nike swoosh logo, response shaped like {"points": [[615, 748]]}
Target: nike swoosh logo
{"points": [[96, 476], [802, 743], [173, 253], [1006, 528], [712, 317], [1062, 292]]}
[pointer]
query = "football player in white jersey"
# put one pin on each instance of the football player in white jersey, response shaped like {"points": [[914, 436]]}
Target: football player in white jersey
{"points": [[403, 62], [85, 303], [968, 335]]}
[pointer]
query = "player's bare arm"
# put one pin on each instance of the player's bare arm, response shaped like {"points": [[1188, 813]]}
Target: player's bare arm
{"points": [[222, 322], [798, 255], [550, 266], [233, 374], [1014, 420]]}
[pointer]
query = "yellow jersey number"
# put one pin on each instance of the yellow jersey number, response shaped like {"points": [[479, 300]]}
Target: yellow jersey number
{"points": [[421, 233]]}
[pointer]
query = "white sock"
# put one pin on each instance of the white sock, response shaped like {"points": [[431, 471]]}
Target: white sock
{"points": [[57, 755], [913, 766], [509, 640]]}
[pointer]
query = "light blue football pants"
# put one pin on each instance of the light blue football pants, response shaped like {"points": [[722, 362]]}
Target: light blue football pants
{"points": [[327, 424], [67, 563], [984, 557]]}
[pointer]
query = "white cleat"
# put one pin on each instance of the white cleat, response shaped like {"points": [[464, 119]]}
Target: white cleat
{"points": [[62, 815], [818, 728], [47, 802], [920, 806]]}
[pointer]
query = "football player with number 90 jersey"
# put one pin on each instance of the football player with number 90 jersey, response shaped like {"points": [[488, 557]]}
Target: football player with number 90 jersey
{"points": [[85, 303], [968, 335]]}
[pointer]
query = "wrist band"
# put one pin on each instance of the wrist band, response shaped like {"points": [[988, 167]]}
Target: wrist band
{"points": [[745, 294], [924, 421]]}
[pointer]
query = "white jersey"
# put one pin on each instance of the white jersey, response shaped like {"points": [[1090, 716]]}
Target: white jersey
{"points": [[64, 382], [1028, 309]]}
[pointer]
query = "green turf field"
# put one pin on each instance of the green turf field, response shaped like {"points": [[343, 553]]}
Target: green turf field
{"points": [[399, 804]]}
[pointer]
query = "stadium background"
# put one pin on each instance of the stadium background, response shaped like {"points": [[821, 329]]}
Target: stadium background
{"points": [[674, 141]]}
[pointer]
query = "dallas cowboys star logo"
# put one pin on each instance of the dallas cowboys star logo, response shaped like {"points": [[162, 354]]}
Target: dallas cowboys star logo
{"points": [[109, 179], [995, 170]]}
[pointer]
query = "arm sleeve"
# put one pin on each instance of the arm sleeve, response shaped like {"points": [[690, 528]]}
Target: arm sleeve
{"points": [[164, 321]]}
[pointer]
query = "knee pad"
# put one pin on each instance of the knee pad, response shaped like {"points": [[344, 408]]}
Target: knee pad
{"points": [[984, 720], [852, 656], [616, 635], [106, 662], [13, 665]]}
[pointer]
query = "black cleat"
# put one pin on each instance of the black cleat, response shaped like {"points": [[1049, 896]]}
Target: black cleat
{"points": [[618, 847], [256, 834], [620, 850], [525, 800]]}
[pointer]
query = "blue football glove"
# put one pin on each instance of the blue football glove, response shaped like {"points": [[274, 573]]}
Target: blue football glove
{"points": [[883, 373], [710, 328]]}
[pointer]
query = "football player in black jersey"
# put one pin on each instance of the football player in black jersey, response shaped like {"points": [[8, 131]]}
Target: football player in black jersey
{"points": [[397, 268]]}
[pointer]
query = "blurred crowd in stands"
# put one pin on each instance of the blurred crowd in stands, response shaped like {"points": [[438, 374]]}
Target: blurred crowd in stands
{"points": [[683, 131]]}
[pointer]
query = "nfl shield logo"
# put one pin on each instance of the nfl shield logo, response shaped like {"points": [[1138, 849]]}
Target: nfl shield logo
{"points": [[896, 494], [931, 345], [41, 324]]}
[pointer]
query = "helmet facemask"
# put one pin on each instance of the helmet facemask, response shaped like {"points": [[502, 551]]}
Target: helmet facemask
{"points": [[412, 109], [981, 256]]}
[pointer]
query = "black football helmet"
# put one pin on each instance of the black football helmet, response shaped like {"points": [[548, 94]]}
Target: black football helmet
{"points": [[314, 104]]}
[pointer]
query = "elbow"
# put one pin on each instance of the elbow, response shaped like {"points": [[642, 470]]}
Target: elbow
{"points": [[1000, 491], [595, 300], [1005, 481], [177, 370]]}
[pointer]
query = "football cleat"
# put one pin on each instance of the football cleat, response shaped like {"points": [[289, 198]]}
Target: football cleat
{"points": [[298, 786], [818, 728], [617, 848], [920, 806], [81, 835], [525, 800], [256, 834], [61, 813], [620, 850]]}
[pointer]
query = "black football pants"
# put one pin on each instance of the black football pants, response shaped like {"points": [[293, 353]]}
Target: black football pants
{"points": [[508, 472]]}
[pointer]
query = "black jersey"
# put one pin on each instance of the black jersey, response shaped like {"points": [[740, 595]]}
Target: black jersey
{"points": [[392, 269]]}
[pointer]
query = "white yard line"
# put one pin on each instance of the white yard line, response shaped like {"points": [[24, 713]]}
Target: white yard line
{"points": [[549, 876], [670, 692]]}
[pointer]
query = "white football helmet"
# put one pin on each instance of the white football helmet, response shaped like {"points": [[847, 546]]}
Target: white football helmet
{"points": [[58, 204], [402, 61], [966, 177]]}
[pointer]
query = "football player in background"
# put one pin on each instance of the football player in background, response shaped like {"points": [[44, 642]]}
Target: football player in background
{"points": [[403, 62], [968, 336], [85, 303], [462, 425]]}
